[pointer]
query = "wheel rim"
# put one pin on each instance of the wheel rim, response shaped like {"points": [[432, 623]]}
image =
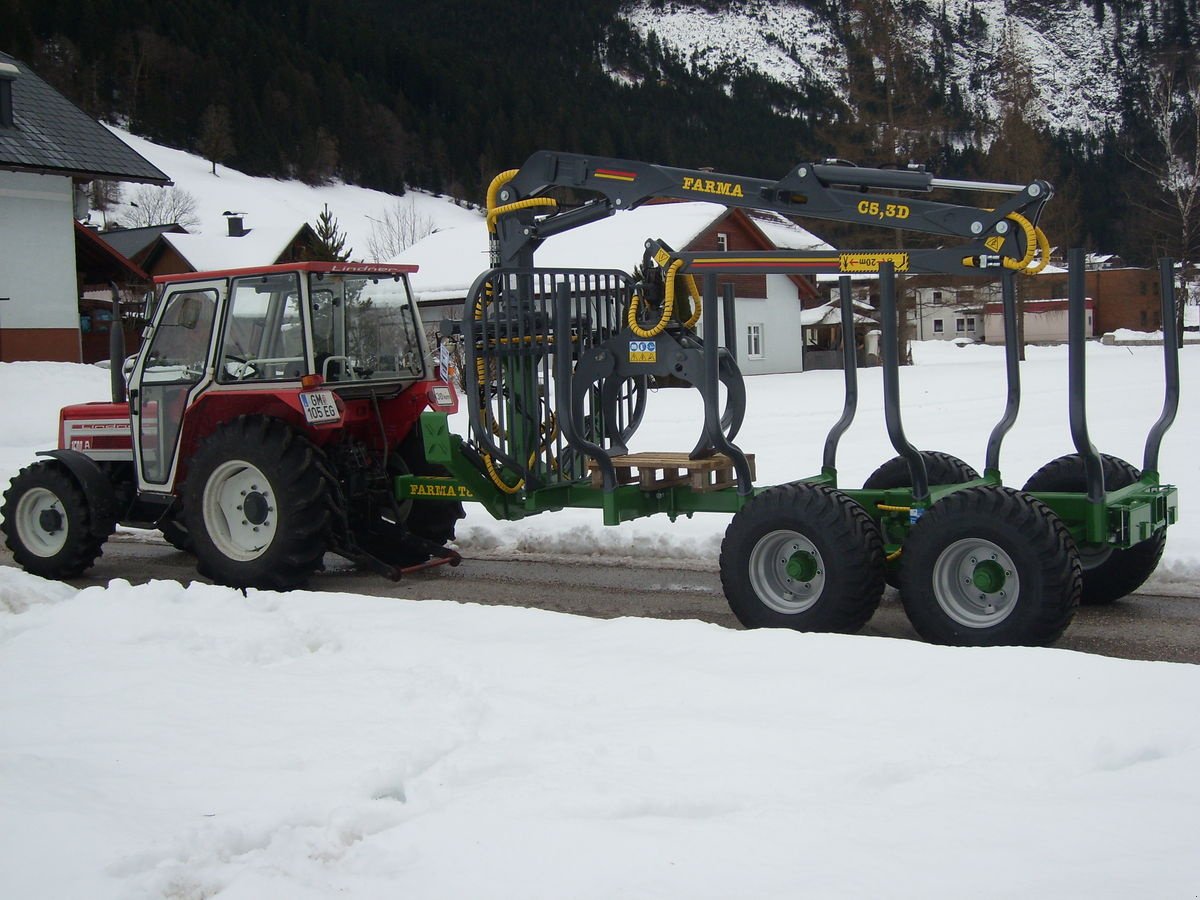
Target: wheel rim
{"points": [[787, 572], [239, 510], [41, 522], [976, 583]]}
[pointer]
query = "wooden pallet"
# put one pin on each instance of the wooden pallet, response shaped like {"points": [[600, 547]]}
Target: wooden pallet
{"points": [[654, 471]]}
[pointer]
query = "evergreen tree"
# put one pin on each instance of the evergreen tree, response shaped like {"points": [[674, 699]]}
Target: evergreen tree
{"points": [[331, 240]]}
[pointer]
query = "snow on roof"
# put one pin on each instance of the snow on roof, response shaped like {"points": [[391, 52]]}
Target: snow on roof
{"points": [[830, 314], [257, 247], [450, 260]]}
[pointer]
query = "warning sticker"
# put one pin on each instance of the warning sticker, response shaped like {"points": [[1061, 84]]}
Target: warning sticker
{"points": [[869, 262], [643, 351]]}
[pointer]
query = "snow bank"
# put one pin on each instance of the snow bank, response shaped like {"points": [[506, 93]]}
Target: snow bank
{"points": [[189, 742]]}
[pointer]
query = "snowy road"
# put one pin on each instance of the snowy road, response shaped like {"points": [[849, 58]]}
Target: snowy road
{"points": [[1150, 626]]}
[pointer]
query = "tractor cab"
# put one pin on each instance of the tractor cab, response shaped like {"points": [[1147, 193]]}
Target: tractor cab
{"points": [[218, 338]]}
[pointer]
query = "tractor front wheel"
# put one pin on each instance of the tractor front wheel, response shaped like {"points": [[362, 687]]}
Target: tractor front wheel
{"points": [[802, 556], [989, 566], [257, 505], [48, 523], [1109, 573]]}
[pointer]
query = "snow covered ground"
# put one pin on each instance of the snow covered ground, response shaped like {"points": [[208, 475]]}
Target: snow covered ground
{"points": [[186, 741]]}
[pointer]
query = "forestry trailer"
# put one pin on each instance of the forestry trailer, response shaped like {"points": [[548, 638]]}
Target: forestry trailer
{"points": [[275, 414]]}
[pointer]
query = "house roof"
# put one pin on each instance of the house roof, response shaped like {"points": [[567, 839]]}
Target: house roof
{"points": [[450, 260], [261, 246], [52, 136], [132, 241], [100, 263]]}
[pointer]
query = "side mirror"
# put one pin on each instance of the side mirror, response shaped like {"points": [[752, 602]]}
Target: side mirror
{"points": [[189, 312]]}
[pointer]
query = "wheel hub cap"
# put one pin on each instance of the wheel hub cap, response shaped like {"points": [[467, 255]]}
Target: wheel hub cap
{"points": [[976, 583], [787, 572], [255, 508], [988, 576], [50, 520]]}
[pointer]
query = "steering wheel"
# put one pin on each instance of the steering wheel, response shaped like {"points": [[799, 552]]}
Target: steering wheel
{"points": [[241, 367]]}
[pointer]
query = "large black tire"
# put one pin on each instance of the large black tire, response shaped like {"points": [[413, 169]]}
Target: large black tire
{"points": [[48, 523], [1108, 573], [802, 556], [941, 468], [257, 505], [175, 532], [989, 566]]}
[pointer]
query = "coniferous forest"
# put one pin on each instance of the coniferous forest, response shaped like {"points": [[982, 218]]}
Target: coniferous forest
{"points": [[442, 95]]}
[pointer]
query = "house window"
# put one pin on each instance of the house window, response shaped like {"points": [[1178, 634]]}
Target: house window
{"points": [[970, 323], [722, 241], [754, 341], [938, 326], [937, 296]]}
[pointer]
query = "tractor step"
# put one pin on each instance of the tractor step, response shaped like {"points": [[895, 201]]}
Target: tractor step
{"points": [[655, 471]]}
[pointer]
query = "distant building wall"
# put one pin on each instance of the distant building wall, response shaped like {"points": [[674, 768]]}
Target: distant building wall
{"points": [[1124, 298], [40, 318]]}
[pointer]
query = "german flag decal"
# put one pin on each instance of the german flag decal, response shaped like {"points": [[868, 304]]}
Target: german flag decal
{"points": [[615, 175]]}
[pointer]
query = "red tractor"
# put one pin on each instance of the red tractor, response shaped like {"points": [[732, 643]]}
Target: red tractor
{"points": [[268, 413]]}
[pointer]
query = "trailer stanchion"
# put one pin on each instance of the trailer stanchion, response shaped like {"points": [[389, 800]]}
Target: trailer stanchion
{"points": [[1166, 282], [850, 369], [891, 385], [1013, 373], [1077, 380]]}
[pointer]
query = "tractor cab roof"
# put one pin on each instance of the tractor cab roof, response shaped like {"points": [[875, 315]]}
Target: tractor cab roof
{"points": [[332, 268]]}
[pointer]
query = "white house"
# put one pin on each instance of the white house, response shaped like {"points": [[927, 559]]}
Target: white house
{"points": [[770, 310], [49, 150]]}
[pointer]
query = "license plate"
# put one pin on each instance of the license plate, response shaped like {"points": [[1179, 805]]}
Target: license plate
{"points": [[319, 407]]}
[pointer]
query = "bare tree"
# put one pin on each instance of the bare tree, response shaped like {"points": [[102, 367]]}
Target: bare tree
{"points": [[1174, 164], [162, 206], [400, 226], [103, 196], [216, 135]]}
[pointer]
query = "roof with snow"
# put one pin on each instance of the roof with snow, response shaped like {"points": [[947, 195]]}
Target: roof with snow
{"points": [[256, 247], [52, 136], [451, 260]]}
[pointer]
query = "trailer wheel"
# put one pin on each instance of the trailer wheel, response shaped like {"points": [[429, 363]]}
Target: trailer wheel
{"points": [[257, 505], [942, 468], [48, 522], [802, 556], [1109, 573], [988, 566]]}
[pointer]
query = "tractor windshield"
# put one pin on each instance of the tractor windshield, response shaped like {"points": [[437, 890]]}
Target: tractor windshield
{"points": [[364, 329]]}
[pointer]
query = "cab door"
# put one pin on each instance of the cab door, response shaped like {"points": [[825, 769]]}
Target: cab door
{"points": [[171, 371]]}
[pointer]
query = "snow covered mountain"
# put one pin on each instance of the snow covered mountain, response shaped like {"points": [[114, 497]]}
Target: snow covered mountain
{"points": [[1077, 57]]}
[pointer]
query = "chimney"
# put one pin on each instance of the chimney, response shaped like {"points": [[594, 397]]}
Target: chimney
{"points": [[8, 73], [235, 220]]}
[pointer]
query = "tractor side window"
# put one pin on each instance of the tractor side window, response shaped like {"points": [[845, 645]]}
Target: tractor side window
{"points": [[179, 350], [264, 330]]}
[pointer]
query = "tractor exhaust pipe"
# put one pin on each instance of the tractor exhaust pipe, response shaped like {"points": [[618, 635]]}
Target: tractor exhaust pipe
{"points": [[116, 348]]}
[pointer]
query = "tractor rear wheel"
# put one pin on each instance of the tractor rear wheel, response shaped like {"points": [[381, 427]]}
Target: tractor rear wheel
{"points": [[257, 505], [48, 523], [802, 556], [1109, 573], [988, 566], [942, 468]]}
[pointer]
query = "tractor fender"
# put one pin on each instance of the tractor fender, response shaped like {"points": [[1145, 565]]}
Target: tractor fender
{"points": [[101, 496]]}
